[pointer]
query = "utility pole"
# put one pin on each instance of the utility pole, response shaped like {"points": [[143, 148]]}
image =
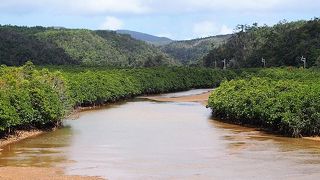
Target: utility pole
{"points": [[304, 60], [215, 64], [264, 62], [224, 64]]}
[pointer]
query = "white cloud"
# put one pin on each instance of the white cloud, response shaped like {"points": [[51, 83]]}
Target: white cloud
{"points": [[109, 6], [98, 7], [77, 7], [208, 28], [111, 23], [233, 6]]}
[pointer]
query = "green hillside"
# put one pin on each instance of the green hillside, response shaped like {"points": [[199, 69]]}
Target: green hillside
{"points": [[85, 46], [60, 46], [17, 46], [138, 53], [280, 45], [191, 51]]}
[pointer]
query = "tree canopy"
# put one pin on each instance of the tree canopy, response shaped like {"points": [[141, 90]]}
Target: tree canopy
{"points": [[60, 46], [281, 45]]}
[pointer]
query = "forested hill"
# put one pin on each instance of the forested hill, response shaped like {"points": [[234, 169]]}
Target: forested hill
{"points": [[280, 45], [60, 46], [191, 51]]}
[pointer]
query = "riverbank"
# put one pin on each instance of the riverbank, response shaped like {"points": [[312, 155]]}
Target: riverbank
{"points": [[36, 173], [312, 138], [200, 98], [18, 136]]}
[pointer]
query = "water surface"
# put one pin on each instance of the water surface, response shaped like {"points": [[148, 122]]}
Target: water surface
{"points": [[142, 139]]}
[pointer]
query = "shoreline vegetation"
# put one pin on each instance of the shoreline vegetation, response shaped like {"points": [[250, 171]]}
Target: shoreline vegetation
{"points": [[37, 99], [283, 101]]}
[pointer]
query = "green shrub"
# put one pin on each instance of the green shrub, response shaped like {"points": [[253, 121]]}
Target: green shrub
{"points": [[31, 98]]}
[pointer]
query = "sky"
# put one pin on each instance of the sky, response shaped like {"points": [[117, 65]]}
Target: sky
{"points": [[176, 19]]}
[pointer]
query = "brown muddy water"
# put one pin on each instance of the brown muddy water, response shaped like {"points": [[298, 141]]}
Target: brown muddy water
{"points": [[143, 139]]}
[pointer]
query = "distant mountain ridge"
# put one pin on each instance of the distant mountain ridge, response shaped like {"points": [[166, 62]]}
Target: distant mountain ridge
{"points": [[155, 40], [185, 51]]}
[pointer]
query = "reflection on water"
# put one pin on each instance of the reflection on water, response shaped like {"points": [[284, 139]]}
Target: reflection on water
{"points": [[150, 140]]}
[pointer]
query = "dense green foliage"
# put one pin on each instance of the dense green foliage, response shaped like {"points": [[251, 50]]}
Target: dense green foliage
{"points": [[281, 45], [60, 46], [35, 97], [191, 51], [97, 86], [287, 101], [84, 46], [31, 98]]}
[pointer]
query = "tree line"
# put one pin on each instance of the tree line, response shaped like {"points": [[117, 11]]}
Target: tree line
{"points": [[280, 45]]}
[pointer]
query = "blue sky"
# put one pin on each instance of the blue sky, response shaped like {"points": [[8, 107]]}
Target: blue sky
{"points": [[177, 19]]}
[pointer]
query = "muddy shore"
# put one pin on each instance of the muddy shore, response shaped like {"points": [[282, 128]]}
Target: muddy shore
{"points": [[200, 98], [18, 136], [36, 173]]}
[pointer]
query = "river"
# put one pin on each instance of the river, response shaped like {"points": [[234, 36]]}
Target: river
{"points": [[144, 139]]}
